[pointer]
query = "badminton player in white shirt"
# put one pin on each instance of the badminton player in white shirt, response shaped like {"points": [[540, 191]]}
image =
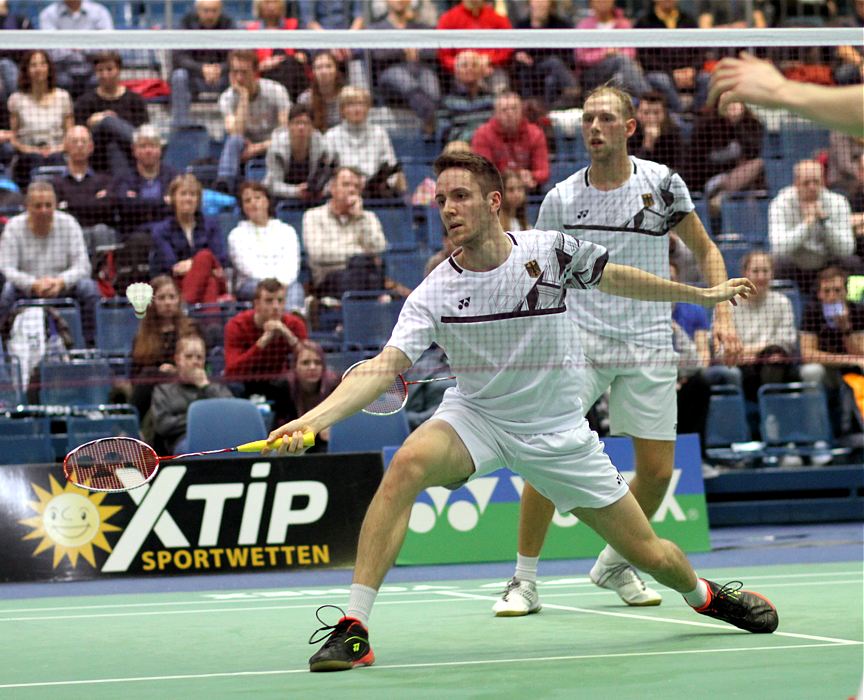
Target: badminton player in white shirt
{"points": [[629, 206], [498, 307]]}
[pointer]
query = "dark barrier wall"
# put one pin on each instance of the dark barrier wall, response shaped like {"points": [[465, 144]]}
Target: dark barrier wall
{"points": [[197, 516]]}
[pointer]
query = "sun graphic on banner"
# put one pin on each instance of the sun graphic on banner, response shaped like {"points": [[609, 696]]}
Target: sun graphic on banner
{"points": [[72, 520]]}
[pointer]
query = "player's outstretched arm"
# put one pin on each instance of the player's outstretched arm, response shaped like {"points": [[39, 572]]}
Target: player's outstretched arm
{"points": [[626, 281], [359, 388], [755, 81]]}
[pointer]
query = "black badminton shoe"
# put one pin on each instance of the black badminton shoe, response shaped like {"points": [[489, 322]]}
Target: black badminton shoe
{"points": [[744, 609], [346, 645]]}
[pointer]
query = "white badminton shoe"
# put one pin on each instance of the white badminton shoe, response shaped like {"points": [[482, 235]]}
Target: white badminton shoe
{"points": [[626, 582], [518, 598]]}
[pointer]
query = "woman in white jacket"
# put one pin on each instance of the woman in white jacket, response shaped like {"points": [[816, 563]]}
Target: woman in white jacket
{"points": [[261, 246]]}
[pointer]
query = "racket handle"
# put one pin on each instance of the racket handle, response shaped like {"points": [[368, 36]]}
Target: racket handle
{"points": [[258, 445]]}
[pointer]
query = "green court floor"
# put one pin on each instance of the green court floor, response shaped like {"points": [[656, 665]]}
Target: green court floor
{"points": [[440, 640]]}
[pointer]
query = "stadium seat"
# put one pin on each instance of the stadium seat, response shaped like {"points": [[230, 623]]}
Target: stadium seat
{"points": [[116, 326], [213, 424], [293, 215], [185, 145], [802, 143], [81, 429], [25, 440], [47, 172], [790, 289], [75, 382], [398, 224], [747, 217], [68, 308], [366, 321], [406, 266], [778, 174], [726, 425], [256, 169], [341, 360], [733, 249], [10, 382], [794, 419], [364, 433]]}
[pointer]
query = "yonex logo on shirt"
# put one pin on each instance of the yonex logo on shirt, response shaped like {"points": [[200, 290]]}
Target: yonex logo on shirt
{"points": [[581, 214], [463, 303]]}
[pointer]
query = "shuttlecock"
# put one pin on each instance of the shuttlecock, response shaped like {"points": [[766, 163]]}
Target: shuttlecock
{"points": [[139, 295]]}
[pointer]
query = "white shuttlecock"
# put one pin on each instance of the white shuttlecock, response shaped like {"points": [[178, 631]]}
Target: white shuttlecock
{"points": [[139, 295]]}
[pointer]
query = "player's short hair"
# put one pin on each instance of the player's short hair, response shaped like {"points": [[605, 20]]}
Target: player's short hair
{"points": [[39, 186], [831, 272], [483, 170], [624, 98], [748, 258], [245, 56], [146, 132], [269, 284], [185, 180], [107, 57], [299, 109]]}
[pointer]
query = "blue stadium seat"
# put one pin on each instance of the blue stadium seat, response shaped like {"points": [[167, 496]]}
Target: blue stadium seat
{"points": [[747, 217], [778, 174], [790, 289], [213, 424], [81, 429], [434, 228], [68, 308], [794, 419], [291, 214], [186, 144], [366, 321], [398, 225], [339, 361], [10, 382], [364, 433], [75, 382], [26, 440], [733, 250], [406, 266], [116, 326], [802, 143], [256, 169], [727, 425]]}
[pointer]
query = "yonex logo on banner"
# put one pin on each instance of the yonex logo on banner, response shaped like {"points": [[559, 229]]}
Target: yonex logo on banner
{"points": [[463, 515]]}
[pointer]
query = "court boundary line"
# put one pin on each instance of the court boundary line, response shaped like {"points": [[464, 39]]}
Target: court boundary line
{"points": [[304, 602], [669, 620], [431, 664]]}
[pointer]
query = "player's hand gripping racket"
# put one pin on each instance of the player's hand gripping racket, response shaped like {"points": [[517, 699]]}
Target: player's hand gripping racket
{"points": [[395, 397], [123, 463]]}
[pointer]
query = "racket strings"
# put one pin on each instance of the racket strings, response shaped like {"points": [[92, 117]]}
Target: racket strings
{"points": [[111, 464], [391, 401]]}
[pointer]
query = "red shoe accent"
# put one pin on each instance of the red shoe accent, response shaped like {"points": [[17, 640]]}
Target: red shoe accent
{"points": [[710, 597]]}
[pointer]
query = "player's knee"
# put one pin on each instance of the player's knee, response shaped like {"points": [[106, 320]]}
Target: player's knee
{"points": [[408, 468], [651, 557]]}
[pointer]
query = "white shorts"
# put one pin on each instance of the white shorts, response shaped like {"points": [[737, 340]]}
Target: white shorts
{"points": [[569, 468], [643, 401]]}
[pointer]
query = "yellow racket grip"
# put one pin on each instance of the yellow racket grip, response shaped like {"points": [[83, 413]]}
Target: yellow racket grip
{"points": [[258, 445]]}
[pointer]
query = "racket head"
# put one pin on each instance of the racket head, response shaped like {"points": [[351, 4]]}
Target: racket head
{"points": [[112, 464], [391, 401]]}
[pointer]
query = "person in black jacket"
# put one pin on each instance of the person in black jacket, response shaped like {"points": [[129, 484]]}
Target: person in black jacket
{"points": [[545, 73], [657, 137], [671, 70], [199, 70], [726, 153], [112, 113], [83, 193]]}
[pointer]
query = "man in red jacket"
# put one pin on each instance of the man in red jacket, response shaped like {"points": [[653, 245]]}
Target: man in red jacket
{"points": [[511, 142], [260, 342], [477, 14]]}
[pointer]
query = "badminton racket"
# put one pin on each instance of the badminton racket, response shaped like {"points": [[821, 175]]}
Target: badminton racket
{"points": [[395, 396], [122, 463]]}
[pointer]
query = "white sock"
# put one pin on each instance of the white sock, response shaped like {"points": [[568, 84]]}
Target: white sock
{"points": [[526, 568], [360, 602], [698, 596], [609, 557]]}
